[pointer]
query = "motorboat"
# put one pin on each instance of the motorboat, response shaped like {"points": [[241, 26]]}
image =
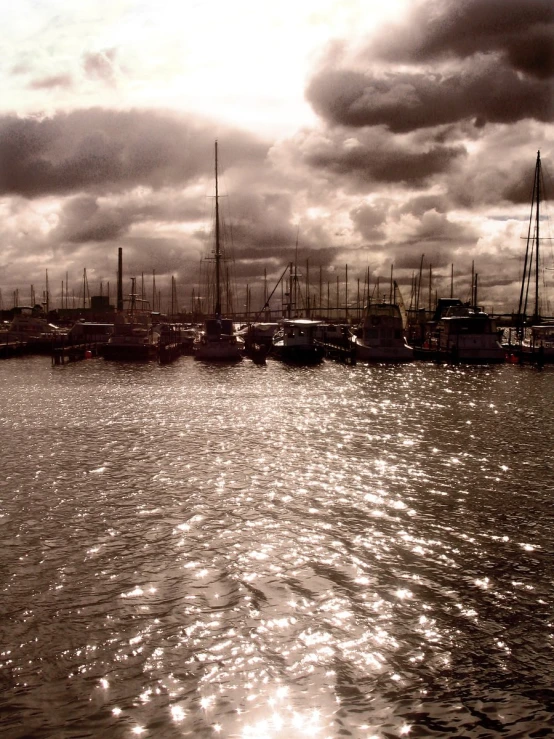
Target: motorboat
{"points": [[133, 338], [380, 336], [218, 342], [467, 335], [295, 341], [31, 326]]}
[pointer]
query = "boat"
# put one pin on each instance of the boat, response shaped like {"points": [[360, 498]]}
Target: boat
{"points": [[31, 326], [295, 342], [538, 345], [89, 332], [134, 337], [218, 340], [534, 334], [466, 334], [380, 336], [258, 340]]}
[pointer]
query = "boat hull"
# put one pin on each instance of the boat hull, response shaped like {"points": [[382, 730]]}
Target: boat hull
{"points": [[367, 353], [218, 351], [129, 353], [310, 354]]}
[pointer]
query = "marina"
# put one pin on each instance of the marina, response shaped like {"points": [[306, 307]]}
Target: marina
{"points": [[277, 370]]}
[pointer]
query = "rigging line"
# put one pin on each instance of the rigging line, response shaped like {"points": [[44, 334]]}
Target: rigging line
{"points": [[266, 305]]}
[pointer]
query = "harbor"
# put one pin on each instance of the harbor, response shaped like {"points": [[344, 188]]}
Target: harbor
{"points": [[277, 370]]}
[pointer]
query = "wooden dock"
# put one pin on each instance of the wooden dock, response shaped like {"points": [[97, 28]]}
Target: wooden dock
{"points": [[12, 349], [341, 350], [75, 352]]}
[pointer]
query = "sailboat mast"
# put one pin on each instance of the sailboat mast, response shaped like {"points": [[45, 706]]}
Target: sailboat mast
{"points": [[217, 246], [528, 262], [537, 221]]}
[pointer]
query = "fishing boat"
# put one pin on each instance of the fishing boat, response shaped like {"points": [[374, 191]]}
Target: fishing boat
{"points": [[538, 345], [295, 342], [134, 337], [31, 326], [218, 340], [466, 334], [380, 336], [258, 339]]}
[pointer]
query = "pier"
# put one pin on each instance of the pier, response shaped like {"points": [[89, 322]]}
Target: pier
{"points": [[12, 349]]}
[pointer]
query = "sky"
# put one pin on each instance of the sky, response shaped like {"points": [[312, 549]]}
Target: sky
{"points": [[381, 136]]}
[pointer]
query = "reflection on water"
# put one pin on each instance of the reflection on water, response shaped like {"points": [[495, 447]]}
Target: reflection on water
{"points": [[246, 551]]}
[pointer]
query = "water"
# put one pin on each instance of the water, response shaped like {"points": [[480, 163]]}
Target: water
{"points": [[245, 551]]}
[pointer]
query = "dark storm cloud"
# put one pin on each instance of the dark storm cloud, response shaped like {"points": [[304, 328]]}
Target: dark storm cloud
{"points": [[490, 61], [405, 101], [521, 32], [85, 218], [106, 150], [374, 156]]}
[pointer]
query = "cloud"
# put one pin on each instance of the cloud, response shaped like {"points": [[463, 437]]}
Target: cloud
{"points": [[519, 32], [371, 155], [110, 151], [405, 101], [101, 65], [489, 61], [53, 81], [368, 219]]}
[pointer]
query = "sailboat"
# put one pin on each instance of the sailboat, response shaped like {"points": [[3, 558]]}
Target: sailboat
{"points": [[218, 341], [536, 337]]}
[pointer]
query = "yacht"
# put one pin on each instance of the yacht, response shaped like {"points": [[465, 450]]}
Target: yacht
{"points": [[380, 335], [295, 341], [30, 325], [133, 338], [468, 335]]}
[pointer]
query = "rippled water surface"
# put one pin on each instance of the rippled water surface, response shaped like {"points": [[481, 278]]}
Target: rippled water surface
{"points": [[246, 551]]}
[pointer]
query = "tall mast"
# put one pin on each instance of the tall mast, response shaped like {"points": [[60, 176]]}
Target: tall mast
{"points": [[119, 280], [528, 262], [537, 221], [217, 246]]}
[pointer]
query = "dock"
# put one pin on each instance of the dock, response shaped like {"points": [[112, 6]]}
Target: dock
{"points": [[74, 352], [12, 349], [341, 350]]}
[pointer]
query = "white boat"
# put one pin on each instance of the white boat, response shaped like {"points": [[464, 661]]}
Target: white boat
{"points": [[468, 335], [30, 325], [380, 335], [218, 341], [295, 341], [539, 346], [88, 332], [133, 339]]}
